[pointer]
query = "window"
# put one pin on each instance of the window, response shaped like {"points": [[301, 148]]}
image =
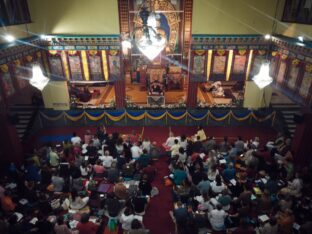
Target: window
{"points": [[298, 11], [14, 12]]}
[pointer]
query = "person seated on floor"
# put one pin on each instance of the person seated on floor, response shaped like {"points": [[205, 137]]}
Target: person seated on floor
{"points": [[144, 159], [107, 159], [76, 202], [77, 183], [113, 206], [85, 226], [244, 228], [156, 88], [127, 217], [139, 203], [285, 221], [57, 182], [217, 186], [7, 203], [54, 158], [98, 169], [113, 173], [270, 227], [217, 218], [137, 228], [229, 172], [75, 140], [145, 186], [61, 227], [178, 174], [216, 89]]}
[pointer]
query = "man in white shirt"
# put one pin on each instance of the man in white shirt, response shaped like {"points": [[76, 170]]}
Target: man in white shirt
{"points": [[170, 140], [216, 218], [136, 151], [175, 148], [107, 159], [75, 140]]}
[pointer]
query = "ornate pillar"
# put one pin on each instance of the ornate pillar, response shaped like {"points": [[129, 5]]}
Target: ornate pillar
{"points": [[192, 95], [120, 93]]}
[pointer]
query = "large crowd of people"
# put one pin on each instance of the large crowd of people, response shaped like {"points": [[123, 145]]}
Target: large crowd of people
{"points": [[100, 182]]}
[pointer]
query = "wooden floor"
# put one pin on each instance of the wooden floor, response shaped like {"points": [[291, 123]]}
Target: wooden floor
{"points": [[107, 94], [137, 94]]}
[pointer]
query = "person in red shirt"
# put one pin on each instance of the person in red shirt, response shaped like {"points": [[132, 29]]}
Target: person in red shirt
{"points": [[85, 226]]}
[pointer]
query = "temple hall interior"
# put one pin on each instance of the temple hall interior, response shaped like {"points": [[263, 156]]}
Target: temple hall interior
{"points": [[155, 116]]}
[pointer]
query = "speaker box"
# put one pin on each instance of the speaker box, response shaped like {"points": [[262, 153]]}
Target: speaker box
{"points": [[298, 118]]}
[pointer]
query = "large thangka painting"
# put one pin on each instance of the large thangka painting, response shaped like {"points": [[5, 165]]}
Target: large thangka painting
{"points": [[6, 79], [258, 60], [199, 65], [95, 64], [75, 66], [306, 84], [219, 64], [56, 68], [239, 64], [168, 23], [293, 75], [281, 72], [114, 65]]}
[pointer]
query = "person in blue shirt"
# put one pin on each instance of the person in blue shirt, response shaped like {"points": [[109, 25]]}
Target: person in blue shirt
{"points": [[32, 172], [204, 185], [229, 173], [179, 175]]}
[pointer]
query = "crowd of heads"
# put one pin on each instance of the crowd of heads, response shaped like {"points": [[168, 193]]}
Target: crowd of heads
{"points": [[217, 184], [95, 174], [238, 185]]}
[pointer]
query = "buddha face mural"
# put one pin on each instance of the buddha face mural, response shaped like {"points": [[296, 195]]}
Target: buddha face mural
{"points": [[166, 22]]}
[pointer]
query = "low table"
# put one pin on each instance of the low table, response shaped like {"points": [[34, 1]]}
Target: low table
{"points": [[155, 101]]}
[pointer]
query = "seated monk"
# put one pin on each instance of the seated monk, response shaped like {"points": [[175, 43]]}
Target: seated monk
{"points": [[85, 96], [156, 88], [217, 90]]}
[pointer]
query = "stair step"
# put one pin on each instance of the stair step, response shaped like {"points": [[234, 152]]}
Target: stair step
{"points": [[289, 112], [291, 125], [24, 116], [292, 130], [23, 112], [24, 121], [20, 135], [21, 130], [289, 121], [288, 116], [21, 126]]}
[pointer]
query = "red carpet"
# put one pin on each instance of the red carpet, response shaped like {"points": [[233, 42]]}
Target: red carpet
{"points": [[157, 217]]}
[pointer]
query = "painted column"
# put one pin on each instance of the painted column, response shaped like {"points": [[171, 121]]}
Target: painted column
{"points": [[120, 93], [191, 101]]}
